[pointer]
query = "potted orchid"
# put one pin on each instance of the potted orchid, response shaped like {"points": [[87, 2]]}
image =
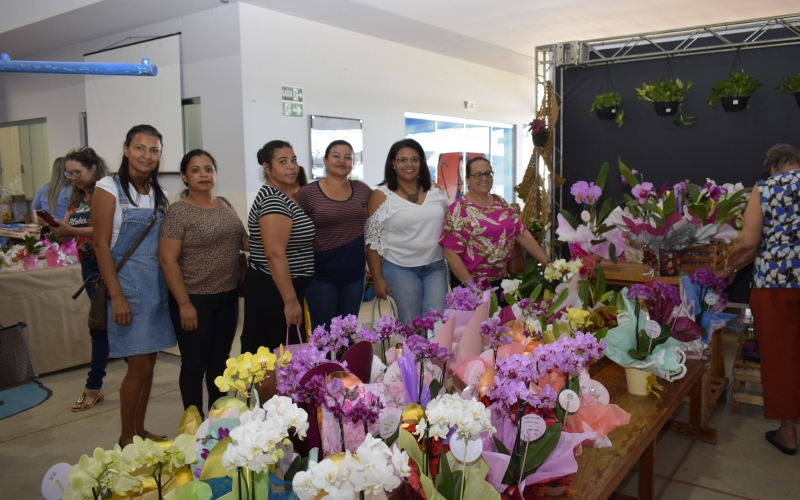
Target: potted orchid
{"points": [[608, 106], [591, 235], [734, 92], [539, 132], [791, 85], [667, 98], [29, 252]]}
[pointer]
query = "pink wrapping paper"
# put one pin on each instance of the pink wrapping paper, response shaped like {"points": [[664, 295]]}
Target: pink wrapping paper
{"points": [[602, 418], [471, 343], [561, 461]]}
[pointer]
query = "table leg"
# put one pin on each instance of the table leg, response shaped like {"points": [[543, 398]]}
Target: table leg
{"points": [[647, 464], [698, 415]]}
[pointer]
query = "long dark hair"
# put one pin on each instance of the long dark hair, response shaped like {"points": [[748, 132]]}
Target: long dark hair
{"points": [[185, 164], [86, 157], [125, 177], [389, 173]]}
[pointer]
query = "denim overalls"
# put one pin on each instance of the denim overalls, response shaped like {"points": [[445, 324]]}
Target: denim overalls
{"points": [[143, 285]]}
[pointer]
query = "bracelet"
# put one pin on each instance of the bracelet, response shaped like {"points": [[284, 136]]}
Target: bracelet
{"points": [[725, 268]]}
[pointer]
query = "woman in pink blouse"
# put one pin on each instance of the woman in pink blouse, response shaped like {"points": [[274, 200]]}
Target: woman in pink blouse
{"points": [[480, 229]]}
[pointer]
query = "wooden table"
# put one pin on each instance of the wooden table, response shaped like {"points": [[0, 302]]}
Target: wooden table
{"points": [[716, 384], [601, 470]]}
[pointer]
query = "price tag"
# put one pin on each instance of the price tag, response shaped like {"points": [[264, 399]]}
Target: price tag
{"points": [[652, 329], [55, 482], [569, 400], [711, 298], [288, 457], [532, 428], [389, 425], [623, 318], [460, 447]]}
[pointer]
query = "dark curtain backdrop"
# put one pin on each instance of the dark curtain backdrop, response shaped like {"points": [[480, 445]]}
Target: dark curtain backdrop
{"points": [[726, 147]]}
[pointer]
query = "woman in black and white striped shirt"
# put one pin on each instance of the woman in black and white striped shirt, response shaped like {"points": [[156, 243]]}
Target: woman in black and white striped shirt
{"points": [[281, 254]]}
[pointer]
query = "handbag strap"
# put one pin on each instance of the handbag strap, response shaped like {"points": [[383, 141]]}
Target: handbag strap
{"points": [[129, 253], [299, 337], [392, 307]]}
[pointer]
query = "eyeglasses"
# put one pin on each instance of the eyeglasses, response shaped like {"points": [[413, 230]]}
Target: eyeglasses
{"points": [[74, 174], [77, 150], [478, 175], [414, 160]]}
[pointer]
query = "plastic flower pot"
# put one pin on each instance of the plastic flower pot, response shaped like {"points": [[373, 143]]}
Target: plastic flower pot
{"points": [[30, 262], [607, 112], [666, 108], [733, 104], [637, 381]]}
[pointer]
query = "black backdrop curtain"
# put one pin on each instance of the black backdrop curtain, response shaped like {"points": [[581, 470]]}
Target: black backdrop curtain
{"points": [[726, 147]]}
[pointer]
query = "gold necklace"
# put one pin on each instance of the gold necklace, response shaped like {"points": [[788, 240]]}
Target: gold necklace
{"points": [[414, 197]]}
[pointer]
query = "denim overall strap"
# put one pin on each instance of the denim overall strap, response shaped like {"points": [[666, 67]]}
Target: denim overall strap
{"points": [[143, 285]]}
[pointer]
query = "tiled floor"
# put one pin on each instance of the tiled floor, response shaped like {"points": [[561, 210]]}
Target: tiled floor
{"points": [[741, 466]]}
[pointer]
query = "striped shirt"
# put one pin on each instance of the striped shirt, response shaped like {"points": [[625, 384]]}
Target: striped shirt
{"points": [[339, 254], [299, 251]]}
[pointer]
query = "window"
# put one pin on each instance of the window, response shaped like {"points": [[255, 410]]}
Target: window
{"points": [[192, 124], [450, 142]]}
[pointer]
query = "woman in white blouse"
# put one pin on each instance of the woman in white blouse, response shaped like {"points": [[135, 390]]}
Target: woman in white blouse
{"points": [[405, 221]]}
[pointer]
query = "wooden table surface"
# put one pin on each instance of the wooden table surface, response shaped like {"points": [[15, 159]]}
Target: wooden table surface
{"points": [[601, 470], [628, 273]]}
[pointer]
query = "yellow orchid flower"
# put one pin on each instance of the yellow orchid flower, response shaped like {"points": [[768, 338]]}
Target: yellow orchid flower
{"points": [[262, 361], [243, 365], [285, 357], [577, 317]]}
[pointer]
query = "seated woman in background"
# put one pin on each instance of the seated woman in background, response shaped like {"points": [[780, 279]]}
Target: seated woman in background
{"points": [[85, 168], [281, 257], [198, 249], [123, 208], [54, 197], [405, 221], [338, 207], [480, 230]]}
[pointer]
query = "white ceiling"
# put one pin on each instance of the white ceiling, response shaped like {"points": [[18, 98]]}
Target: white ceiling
{"points": [[497, 33]]}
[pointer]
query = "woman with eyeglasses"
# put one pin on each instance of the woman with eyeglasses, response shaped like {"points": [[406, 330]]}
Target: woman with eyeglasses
{"points": [[139, 325], [406, 216], [480, 230], [83, 167]]}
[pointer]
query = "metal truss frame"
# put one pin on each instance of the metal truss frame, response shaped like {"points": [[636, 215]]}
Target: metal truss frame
{"points": [[724, 37]]}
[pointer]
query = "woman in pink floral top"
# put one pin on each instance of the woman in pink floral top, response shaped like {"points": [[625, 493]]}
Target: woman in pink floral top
{"points": [[480, 230]]}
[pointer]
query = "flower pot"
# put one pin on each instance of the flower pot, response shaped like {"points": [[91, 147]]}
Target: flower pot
{"points": [[666, 108], [637, 381], [540, 139], [797, 97], [30, 262], [733, 104], [607, 112]]}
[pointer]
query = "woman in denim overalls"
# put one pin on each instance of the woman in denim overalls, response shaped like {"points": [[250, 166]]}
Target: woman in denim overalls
{"points": [[138, 321]]}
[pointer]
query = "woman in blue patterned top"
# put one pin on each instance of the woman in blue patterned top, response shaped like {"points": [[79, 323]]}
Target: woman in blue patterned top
{"points": [[771, 236]]}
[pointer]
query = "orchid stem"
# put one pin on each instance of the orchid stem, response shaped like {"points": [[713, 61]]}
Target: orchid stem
{"points": [[524, 457], [444, 370], [517, 444], [421, 378], [463, 472], [341, 429]]}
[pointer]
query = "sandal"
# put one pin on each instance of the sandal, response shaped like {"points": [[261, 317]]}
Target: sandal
{"points": [[86, 406], [770, 435]]}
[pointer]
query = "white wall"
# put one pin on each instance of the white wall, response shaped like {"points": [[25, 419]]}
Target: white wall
{"points": [[211, 70], [350, 75]]}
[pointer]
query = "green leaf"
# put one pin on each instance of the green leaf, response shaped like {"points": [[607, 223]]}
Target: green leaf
{"points": [[393, 438], [601, 334], [603, 298], [435, 387], [648, 205], [612, 252], [538, 451], [569, 218], [628, 175], [602, 176], [700, 210], [559, 300], [605, 209], [600, 281], [669, 204], [556, 330], [409, 443], [635, 354], [445, 482], [694, 192], [501, 447], [297, 465], [493, 305], [583, 294], [534, 296]]}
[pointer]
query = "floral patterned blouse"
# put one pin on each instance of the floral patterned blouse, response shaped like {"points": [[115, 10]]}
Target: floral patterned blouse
{"points": [[483, 237], [777, 264]]}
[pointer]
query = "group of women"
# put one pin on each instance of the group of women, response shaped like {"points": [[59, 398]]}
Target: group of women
{"points": [[307, 244]]}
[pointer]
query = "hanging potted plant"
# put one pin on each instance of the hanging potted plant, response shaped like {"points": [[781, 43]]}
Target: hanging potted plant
{"points": [[791, 85], [608, 106], [734, 92], [667, 97]]}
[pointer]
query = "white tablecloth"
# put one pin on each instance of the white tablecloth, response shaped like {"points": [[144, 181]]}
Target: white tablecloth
{"points": [[58, 335]]}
